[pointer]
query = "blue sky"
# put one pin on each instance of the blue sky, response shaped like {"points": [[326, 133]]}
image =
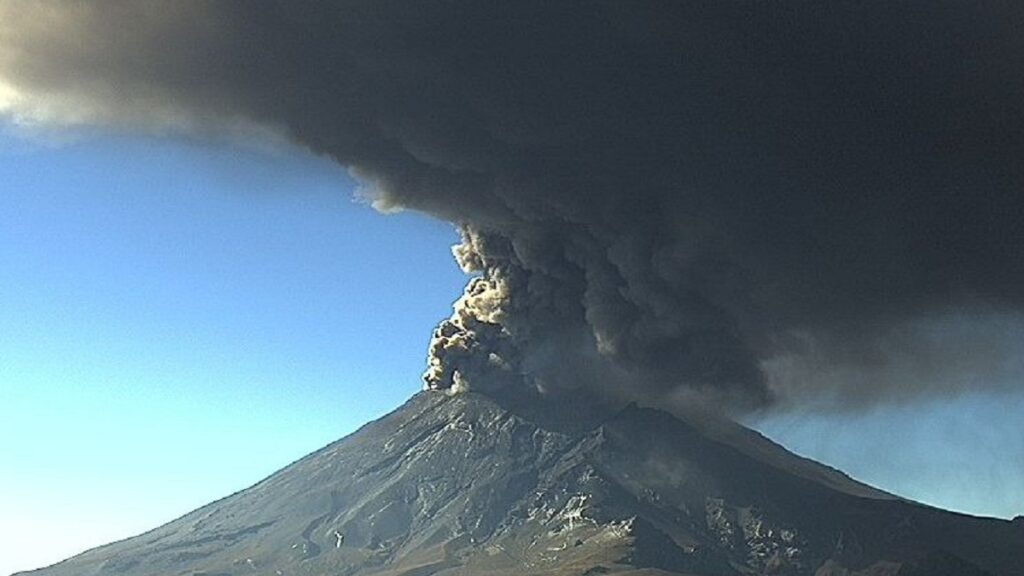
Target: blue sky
{"points": [[179, 319]]}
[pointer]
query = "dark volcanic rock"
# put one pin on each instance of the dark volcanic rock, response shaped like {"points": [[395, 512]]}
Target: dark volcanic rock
{"points": [[466, 485]]}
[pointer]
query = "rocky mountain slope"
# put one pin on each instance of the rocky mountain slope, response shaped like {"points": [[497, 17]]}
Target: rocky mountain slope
{"points": [[467, 484]]}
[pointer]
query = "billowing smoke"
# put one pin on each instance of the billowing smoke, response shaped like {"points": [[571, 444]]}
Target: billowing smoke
{"points": [[561, 306], [734, 202]]}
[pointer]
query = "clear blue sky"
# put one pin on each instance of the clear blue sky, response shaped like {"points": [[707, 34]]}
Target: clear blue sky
{"points": [[180, 319]]}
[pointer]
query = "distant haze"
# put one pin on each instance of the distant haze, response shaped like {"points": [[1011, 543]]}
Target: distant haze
{"points": [[742, 204]]}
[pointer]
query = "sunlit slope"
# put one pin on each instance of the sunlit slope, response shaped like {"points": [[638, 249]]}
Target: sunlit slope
{"points": [[464, 485]]}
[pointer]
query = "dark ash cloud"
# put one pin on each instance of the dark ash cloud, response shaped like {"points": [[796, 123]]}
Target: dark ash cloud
{"points": [[741, 202]]}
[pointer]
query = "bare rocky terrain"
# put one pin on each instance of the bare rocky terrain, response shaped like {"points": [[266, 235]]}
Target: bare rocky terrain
{"points": [[468, 484]]}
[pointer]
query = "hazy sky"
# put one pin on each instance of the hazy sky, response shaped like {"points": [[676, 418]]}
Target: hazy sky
{"points": [[179, 319]]}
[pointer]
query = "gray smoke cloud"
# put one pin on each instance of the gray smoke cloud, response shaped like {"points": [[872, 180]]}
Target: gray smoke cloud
{"points": [[737, 203]]}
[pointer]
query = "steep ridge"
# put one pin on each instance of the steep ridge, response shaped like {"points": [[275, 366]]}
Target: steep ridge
{"points": [[467, 484]]}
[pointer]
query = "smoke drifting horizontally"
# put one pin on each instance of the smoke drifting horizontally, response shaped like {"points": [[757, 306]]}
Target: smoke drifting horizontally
{"points": [[742, 203]]}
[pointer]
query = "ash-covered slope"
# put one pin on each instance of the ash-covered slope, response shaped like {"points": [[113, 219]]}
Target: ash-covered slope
{"points": [[465, 485]]}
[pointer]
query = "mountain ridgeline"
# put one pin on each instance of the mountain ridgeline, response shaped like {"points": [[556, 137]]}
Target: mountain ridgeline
{"points": [[473, 485]]}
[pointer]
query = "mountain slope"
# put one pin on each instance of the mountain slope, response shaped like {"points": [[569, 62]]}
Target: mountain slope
{"points": [[467, 485]]}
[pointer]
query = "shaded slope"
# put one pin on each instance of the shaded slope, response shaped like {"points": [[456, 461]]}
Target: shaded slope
{"points": [[463, 485]]}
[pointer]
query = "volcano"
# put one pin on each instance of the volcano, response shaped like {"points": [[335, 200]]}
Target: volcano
{"points": [[474, 484]]}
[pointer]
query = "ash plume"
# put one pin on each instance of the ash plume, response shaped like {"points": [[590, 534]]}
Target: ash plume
{"points": [[738, 203]]}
